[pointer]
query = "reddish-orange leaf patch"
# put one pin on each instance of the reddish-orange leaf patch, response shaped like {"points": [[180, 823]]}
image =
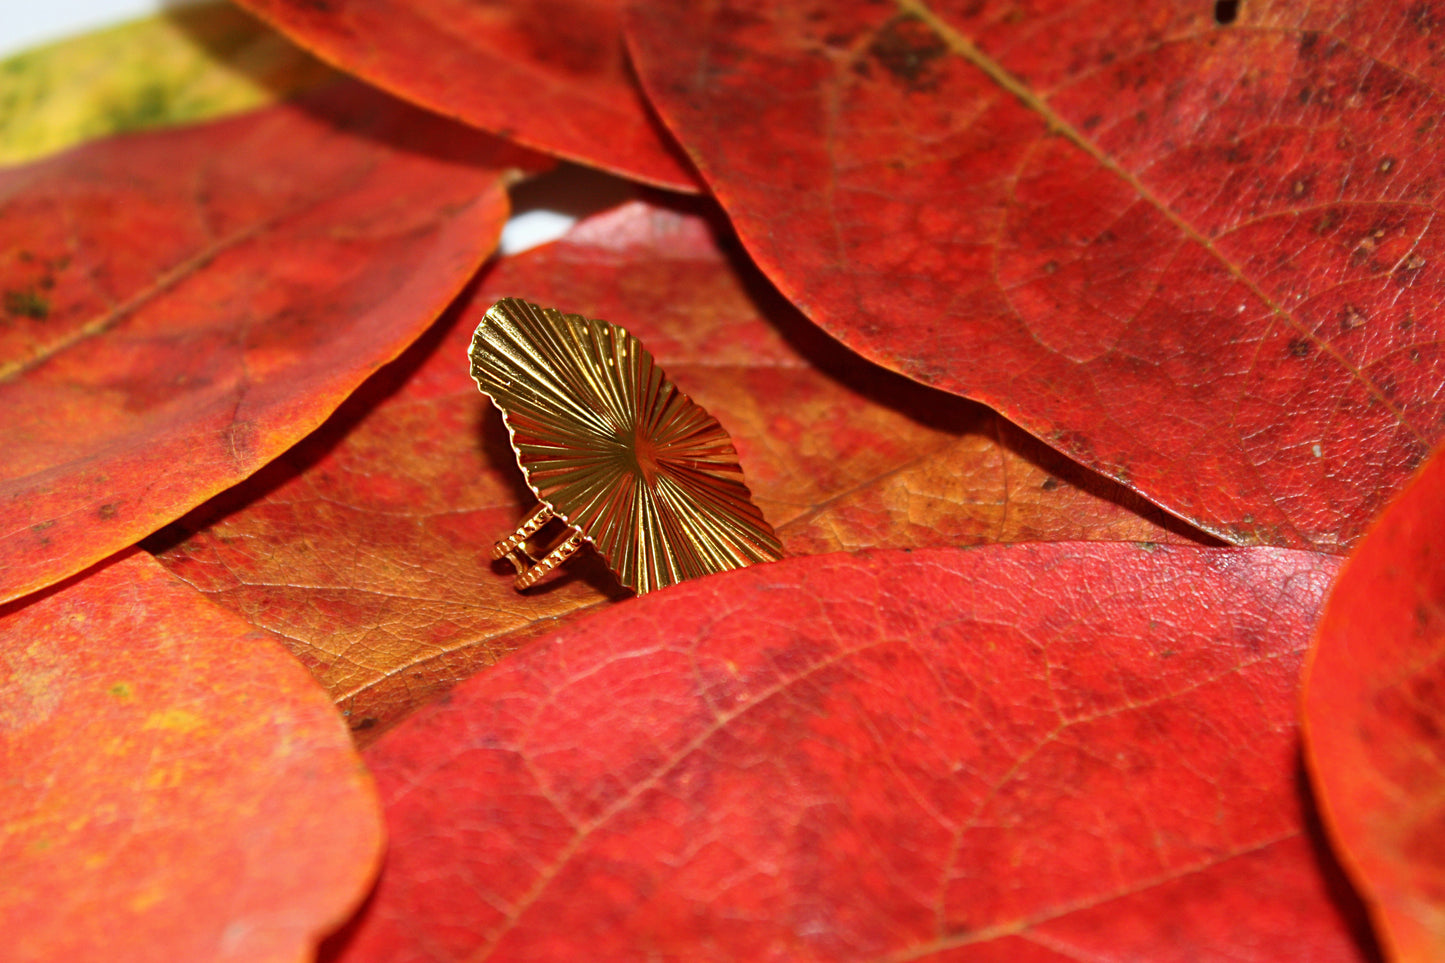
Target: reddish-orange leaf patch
{"points": [[176, 787], [180, 307], [1030, 752], [367, 545], [1375, 717], [551, 74], [1203, 259]]}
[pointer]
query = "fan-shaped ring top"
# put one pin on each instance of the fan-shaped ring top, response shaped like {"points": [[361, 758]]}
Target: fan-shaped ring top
{"points": [[615, 449]]}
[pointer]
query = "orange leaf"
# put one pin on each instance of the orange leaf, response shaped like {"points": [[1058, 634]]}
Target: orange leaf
{"points": [[180, 307], [1375, 717], [176, 787]]}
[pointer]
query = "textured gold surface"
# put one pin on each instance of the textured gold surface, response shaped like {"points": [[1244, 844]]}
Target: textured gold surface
{"points": [[533, 523], [615, 449]]}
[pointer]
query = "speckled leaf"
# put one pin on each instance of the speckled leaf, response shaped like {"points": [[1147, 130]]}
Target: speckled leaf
{"points": [[179, 307], [188, 64], [1375, 718], [175, 786], [551, 74], [1203, 259], [1027, 753], [367, 545]]}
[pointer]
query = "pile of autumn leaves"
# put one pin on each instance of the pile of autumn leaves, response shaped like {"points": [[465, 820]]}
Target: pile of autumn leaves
{"points": [[1032, 694]]}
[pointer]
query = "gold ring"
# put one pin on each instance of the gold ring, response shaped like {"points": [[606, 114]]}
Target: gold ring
{"points": [[617, 456]]}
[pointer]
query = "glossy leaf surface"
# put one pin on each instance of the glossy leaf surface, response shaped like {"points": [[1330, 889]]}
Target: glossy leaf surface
{"points": [[1202, 259], [180, 307], [367, 545], [1375, 717], [176, 786], [551, 74], [1032, 752]]}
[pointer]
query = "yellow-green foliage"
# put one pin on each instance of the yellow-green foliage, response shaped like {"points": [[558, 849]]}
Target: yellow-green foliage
{"points": [[184, 65]]}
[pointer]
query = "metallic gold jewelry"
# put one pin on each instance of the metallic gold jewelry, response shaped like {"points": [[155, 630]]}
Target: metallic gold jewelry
{"points": [[614, 452]]}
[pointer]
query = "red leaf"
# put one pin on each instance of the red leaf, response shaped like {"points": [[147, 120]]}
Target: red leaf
{"points": [[176, 787], [1375, 718], [1034, 752], [1201, 259], [551, 74], [180, 307], [366, 546]]}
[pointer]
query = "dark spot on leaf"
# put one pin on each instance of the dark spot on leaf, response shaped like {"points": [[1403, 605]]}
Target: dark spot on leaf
{"points": [[39, 527], [1422, 16], [1092, 121], [580, 39], [1327, 222], [909, 49], [1415, 457], [27, 303], [364, 724], [1074, 443], [1409, 268], [1367, 245], [1307, 43], [1225, 11], [107, 511], [1386, 165], [1415, 355], [1250, 638], [1300, 348], [1051, 267], [1049, 484], [1351, 318], [838, 39], [1389, 387]]}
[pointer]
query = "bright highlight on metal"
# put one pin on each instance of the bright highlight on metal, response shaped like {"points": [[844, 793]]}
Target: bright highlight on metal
{"points": [[614, 451]]}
